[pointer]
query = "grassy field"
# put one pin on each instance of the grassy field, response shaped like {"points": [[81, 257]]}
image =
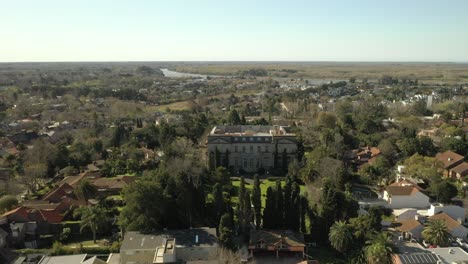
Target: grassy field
{"points": [[431, 72], [188, 104], [183, 105]]}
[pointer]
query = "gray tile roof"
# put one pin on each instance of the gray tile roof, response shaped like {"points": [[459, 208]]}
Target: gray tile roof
{"points": [[418, 258], [184, 238]]}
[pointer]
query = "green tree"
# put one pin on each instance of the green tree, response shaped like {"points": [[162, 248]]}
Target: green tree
{"points": [[388, 149], [7, 203], [257, 201], [379, 249], [221, 175], [340, 236], [421, 167], [436, 233], [234, 118], [218, 198], [66, 232], [268, 213], [94, 218], [444, 191], [85, 190], [226, 237], [244, 210], [279, 205]]}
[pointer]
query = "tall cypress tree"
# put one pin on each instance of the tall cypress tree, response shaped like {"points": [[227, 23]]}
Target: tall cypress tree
{"points": [[304, 210], [279, 206], [257, 201], [244, 210], [288, 210], [295, 207], [328, 207], [219, 205], [268, 212], [226, 237]]}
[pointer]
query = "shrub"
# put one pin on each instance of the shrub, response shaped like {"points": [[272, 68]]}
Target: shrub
{"points": [[115, 248], [7, 203], [57, 249], [66, 232]]}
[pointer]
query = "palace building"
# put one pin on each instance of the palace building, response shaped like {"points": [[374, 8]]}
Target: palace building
{"points": [[251, 148]]}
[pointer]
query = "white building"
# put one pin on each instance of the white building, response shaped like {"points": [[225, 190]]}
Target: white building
{"points": [[251, 148], [454, 211], [405, 197]]}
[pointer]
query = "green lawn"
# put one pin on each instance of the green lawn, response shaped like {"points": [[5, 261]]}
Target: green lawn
{"points": [[325, 255]]}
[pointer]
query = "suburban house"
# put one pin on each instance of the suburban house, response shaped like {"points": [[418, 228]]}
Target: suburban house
{"points": [[361, 156], [455, 228], [58, 194], [196, 245], [276, 242], [454, 211], [410, 229], [405, 197], [26, 225], [439, 255], [112, 186], [450, 160], [460, 171]]}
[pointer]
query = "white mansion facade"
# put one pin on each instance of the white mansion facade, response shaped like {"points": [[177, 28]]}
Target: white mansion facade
{"points": [[251, 148]]}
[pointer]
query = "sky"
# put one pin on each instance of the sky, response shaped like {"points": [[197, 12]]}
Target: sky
{"points": [[234, 30]]}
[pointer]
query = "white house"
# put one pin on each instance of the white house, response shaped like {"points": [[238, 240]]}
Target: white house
{"points": [[405, 197], [455, 228], [454, 211]]}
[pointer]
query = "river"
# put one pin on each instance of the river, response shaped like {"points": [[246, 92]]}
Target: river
{"points": [[174, 74]]}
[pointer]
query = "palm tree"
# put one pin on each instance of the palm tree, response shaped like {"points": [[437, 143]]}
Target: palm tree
{"points": [[379, 249], [94, 218], [340, 236], [436, 233], [85, 190]]}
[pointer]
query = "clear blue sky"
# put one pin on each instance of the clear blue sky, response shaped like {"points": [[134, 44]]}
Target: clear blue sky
{"points": [[292, 30]]}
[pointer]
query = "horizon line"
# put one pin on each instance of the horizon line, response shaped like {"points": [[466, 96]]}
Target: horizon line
{"points": [[238, 61]]}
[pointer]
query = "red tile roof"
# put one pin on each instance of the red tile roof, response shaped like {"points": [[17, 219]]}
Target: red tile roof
{"points": [[408, 225], [406, 183], [402, 190], [19, 214], [49, 216], [118, 182], [63, 191], [448, 158], [461, 169], [451, 223]]}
